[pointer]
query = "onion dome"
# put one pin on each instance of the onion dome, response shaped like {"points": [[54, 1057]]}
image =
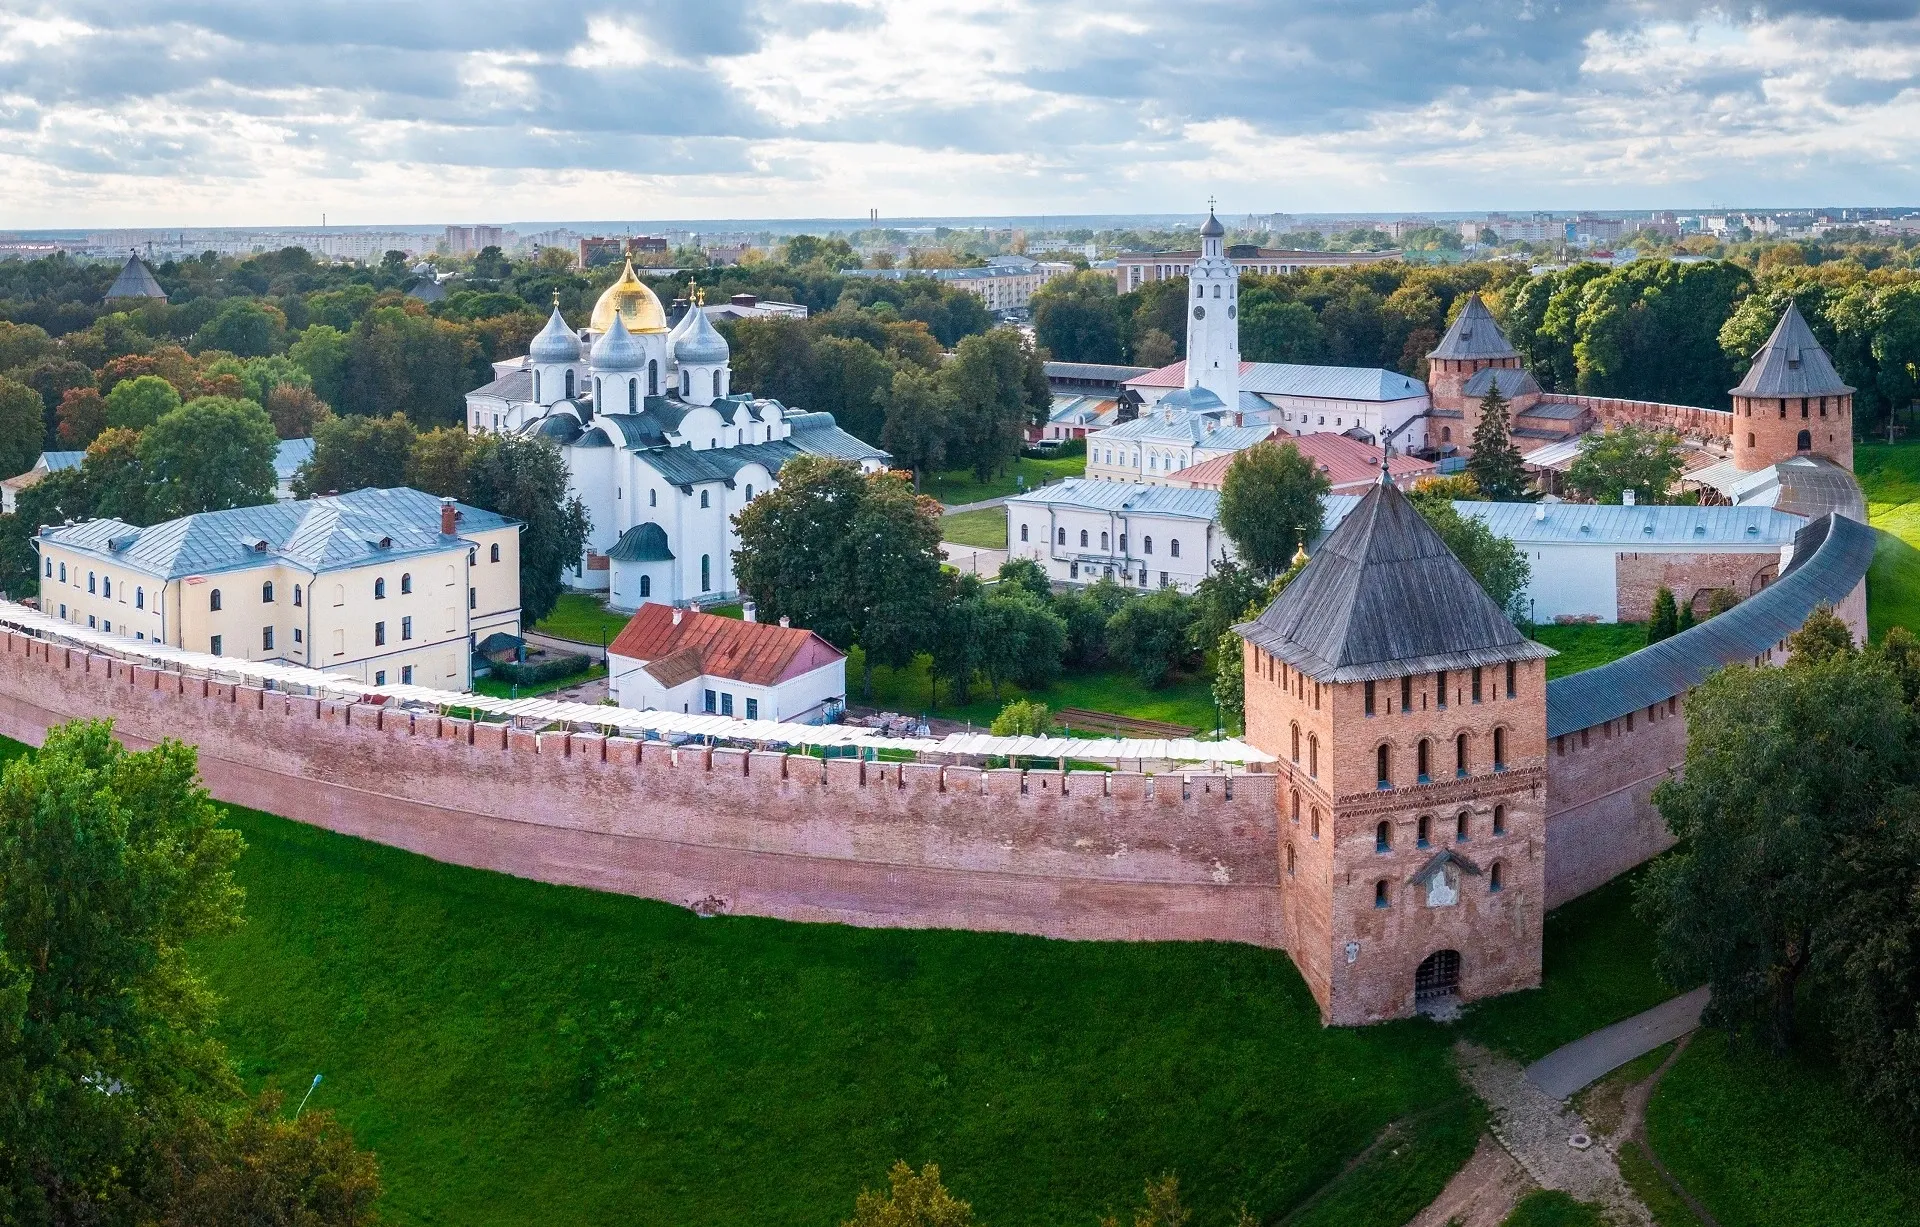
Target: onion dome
{"points": [[617, 349], [701, 344], [629, 299], [1212, 229], [556, 342]]}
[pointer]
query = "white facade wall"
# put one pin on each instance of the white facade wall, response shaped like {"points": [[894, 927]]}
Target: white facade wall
{"points": [[1053, 538], [797, 698], [1306, 415]]}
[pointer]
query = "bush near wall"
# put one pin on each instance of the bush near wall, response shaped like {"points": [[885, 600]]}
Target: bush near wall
{"points": [[547, 670]]}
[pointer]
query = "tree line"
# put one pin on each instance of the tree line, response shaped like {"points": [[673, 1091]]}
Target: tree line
{"points": [[1676, 331]]}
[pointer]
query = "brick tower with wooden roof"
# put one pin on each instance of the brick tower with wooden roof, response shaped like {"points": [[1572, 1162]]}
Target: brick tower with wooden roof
{"points": [[1473, 344], [1791, 402], [1409, 716]]}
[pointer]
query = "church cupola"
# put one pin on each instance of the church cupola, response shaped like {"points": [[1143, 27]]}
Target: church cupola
{"points": [[618, 362], [703, 356], [1213, 318], [554, 353]]}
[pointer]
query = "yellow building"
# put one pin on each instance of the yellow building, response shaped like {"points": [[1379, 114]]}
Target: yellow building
{"points": [[390, 586]]}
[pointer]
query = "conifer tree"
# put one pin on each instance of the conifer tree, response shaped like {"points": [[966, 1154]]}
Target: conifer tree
{"points": [[1495, 466], [1663, 620]]}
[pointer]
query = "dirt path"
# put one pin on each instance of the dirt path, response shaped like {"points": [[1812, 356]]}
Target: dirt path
{"points": [[1482, 1193], [1633, 1128], [1538, 1130]]}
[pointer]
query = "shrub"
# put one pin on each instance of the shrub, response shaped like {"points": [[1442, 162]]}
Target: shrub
{"points": [[547, 670], [1022, 718]]}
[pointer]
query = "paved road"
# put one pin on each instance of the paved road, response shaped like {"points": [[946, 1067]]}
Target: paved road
{"points": [[972, 559], [553, 644], [1565, 1070]]}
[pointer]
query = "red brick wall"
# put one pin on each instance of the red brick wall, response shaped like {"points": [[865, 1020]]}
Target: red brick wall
{"points": [[1692, 421], [1638, 576], [912, 845], [1764, 434], [1600, 816]]}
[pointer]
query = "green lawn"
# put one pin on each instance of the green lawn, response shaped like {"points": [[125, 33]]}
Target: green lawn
{"points": [[959, 485], [1542, 1208], [1777, 1142], [522, 1053], [1589, 645], [986, 528], [582, 616], [1599, 969], [1890, 478], [1185, 700]]}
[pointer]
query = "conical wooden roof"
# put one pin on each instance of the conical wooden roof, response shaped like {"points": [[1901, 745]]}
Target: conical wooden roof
{"points": [[1792, 363], [135, 281], [1385, 597], [1474, 334]]}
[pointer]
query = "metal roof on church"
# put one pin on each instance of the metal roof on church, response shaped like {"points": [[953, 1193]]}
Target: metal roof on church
{"points": [[1361, 383], [1384, 597], [1830, 558]]}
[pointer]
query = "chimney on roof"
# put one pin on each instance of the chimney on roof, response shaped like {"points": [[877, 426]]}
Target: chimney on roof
{"points": [[749, 612], [1626, 498], [447, 517], [785, 621], [677, 612]]}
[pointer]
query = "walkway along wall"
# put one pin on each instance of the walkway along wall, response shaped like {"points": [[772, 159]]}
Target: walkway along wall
{"points": [[1080, 855]]}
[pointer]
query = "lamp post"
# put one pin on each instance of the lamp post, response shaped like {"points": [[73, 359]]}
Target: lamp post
{"points": [[309, 1095]]}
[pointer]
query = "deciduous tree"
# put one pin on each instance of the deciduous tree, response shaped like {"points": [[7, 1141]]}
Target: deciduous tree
{"points": [[357, 453], [82, 416], [524, 479], [995, 388], [1640, 459], [22, 427], [911, 1201], [917, 423], [1270, 504], [1148, 636], [137, 403], [211, 454]]}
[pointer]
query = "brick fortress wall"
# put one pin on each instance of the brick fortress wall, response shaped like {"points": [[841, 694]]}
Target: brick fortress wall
{"points": [[1690, 577], [1081, 855]]}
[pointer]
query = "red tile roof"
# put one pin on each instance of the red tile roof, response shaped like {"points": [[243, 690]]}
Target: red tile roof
{"points": [[756, 653], [1348, 463]]}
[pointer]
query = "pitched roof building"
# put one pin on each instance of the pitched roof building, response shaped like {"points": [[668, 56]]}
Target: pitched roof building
{"points": [[135, 281], [671, 659]]}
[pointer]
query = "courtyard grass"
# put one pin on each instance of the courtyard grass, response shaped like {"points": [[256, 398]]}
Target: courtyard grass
{"points": [[1598, 959], [1890, 479], [1766, 1141], [582, 617], [959, 486], [1589, 645], [986, 528], [522, 1053], [506, 690], [1185, 699]]}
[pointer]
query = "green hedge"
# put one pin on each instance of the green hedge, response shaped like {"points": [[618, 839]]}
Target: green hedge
{"points": [[545, 671]]}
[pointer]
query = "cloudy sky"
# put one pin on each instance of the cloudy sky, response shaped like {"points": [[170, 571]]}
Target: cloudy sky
{"points": [[195, 112]]}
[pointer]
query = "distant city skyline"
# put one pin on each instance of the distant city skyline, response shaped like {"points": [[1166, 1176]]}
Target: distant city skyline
{"points": [[225, 113]]}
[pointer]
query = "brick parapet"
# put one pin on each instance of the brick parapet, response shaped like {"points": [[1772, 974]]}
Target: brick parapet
{"points": [[1083, 854]]}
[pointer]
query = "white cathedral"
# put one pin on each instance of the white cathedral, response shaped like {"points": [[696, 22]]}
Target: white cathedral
{"points": [[658, 446]]}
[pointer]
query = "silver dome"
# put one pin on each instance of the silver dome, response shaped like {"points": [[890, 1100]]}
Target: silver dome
{"points": [[701, 344], [556, 342], [617, 349]]}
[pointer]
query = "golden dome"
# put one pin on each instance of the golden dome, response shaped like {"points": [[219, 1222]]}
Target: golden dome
{"points": [[635, 303]]}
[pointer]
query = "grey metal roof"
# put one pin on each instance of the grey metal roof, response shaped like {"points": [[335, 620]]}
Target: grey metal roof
{"points": [[1830, 558], [512, 386], [1384, 597], [321, 534], [428, 290], [1549, 410], [1363, 383], [556, 342], [1512, 382], [617, 350], [1809, 486], [53, 462], [1791, 363], [1194, 400], [1622, 527], [1211, 228], [642, 543], [1186, 428], [135, 281], [1103, 372], [818, 434], [291, 454], [1129, 497], [1474, 334], [701, 344]]}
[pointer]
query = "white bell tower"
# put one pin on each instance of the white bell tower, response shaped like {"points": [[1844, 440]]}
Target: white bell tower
{"points": [[1213, 317]]}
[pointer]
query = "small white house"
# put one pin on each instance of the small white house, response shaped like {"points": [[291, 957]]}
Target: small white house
{"points": [[681, 660]]}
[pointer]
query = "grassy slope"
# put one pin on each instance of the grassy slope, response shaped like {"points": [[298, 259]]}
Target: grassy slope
{"points": [[1599, 970], [523, 1053], [1587, 646], [986, 528], [958, 486], [1890, 478], [1768, 1142]]}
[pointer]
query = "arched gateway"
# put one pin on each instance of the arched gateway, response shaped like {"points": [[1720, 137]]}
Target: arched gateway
{"points": [[1437, 978]]}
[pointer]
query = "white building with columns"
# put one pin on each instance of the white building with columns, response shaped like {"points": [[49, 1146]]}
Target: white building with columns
{"points": [[658, 446]]}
